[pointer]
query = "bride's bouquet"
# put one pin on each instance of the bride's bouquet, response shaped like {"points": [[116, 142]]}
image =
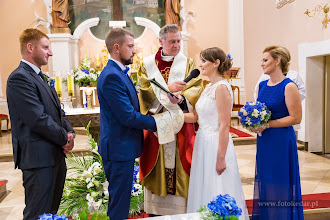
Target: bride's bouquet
{"points": [[254, 115], [221, 207]]}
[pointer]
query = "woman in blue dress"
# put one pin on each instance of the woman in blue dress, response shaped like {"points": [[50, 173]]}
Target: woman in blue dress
{"points": [[277, 192]]}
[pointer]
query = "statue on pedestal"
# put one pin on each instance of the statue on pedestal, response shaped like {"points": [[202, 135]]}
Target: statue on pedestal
{"points": [[61, 17], [172, 12]]}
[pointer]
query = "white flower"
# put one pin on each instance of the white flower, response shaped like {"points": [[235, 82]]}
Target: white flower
{"points": [[255, 113], [263, 114], [252, 103], [89, 198], [90, 185], [94, 194], [106, 194], [137, 186], [243, 111], [67, 192], [105, 185], [97, 170], [87, 174], [88, 180], [96, 183], [248, 121], [97, 204]]}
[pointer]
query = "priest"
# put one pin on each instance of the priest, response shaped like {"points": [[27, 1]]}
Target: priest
{"points": [[166, 158]]}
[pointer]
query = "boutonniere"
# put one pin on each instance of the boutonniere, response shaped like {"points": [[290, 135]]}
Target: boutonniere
{"points": [[50, 81]]}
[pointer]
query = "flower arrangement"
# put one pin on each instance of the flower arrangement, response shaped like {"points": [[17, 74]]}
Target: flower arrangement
{"points": [[86, 75], [52, 217], [137, 193], [254, 115], [221, 207], [86, 187]]}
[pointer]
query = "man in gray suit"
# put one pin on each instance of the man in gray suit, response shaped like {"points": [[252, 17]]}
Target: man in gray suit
{"points": [[41, 133]]}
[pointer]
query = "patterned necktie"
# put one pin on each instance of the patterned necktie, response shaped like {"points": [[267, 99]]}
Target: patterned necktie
{"points": [[42, 75]]}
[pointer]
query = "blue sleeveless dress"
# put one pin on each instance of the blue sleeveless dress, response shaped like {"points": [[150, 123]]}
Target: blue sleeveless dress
{"points": [[277, 191]]}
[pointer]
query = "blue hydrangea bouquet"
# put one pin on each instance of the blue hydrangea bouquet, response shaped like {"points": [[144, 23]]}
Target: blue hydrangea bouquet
{"points": [[52, 217], [222, 207], [254, 115]]}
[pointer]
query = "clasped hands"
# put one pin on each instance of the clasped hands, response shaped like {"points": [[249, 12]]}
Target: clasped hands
{"points": [[260, 129], [175, 87], [69, 145]]}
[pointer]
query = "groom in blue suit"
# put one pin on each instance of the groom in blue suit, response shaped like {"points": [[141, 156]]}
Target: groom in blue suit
{"points": [[122, 124]]}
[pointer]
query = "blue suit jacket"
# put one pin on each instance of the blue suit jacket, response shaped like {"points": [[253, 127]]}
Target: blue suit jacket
{"points": [[122, 124]]}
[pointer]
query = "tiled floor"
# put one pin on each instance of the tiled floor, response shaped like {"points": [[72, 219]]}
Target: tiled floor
{"points": [[314, 172]]}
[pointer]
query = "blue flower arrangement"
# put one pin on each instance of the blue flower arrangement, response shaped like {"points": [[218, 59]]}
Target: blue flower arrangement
{"points": [[52, 217], [254, 115], [221, 207], [137, 193]]}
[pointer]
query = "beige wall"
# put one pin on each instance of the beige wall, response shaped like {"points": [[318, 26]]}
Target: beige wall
{"points": [[265, 25], [211, 27], [15, 16]]}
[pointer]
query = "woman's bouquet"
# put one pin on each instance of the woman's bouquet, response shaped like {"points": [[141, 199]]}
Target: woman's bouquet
{"points": [[221, 207], [254, 115]]}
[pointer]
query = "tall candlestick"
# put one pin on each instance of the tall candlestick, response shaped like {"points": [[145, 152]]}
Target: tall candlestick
{"points": [[70, 85], [58, 86], [97, 60]]}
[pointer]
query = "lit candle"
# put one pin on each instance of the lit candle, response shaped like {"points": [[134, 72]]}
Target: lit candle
{"points": [[70, 85], [97, 60], [58, 86]]}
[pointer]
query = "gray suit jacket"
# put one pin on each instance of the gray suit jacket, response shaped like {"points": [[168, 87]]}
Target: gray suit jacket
{"points": [[39, 125]]}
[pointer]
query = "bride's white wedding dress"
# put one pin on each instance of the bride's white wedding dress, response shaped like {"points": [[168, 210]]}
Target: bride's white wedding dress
{"points": [[204, 182]]}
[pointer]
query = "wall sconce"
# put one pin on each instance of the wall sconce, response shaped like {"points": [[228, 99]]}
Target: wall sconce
{"points": [[319, 8]]}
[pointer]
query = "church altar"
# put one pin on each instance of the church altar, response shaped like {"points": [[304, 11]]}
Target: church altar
{"points": [[79, 117]]}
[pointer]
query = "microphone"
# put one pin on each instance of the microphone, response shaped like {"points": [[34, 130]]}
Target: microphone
{"points": [[193, 74]]}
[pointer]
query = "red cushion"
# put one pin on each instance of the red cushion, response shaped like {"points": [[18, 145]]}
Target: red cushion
{"points": [[3, 116]]}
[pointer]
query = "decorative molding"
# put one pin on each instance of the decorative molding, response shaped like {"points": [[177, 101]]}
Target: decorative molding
{"points": [[49, 6], [281, 3], [186, 16], [311, 67], [85, 26], [148, 24], [40, 21], [117, 24]]}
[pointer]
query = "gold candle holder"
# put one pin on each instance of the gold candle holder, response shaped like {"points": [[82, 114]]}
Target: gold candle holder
{"points": [[89, 93]]}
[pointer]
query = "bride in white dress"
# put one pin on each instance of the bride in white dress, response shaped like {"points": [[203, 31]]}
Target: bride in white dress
{"points": [[214, 167]]}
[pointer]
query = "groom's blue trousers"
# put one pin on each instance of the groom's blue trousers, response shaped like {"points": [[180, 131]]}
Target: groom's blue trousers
{"points": [[120, 177]]}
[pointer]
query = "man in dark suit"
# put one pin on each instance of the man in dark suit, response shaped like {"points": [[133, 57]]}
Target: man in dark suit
{"points": [[121, 134], [41, 133]]}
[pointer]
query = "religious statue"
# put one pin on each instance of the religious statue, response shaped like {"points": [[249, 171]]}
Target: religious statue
{"points": [[60, 15], [172, 12]]}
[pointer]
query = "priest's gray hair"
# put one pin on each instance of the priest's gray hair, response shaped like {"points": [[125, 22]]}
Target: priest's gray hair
{"points": [[167, 28]]}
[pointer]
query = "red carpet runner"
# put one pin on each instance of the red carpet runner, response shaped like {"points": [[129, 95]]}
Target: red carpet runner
{"points": [[239, 133]]}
